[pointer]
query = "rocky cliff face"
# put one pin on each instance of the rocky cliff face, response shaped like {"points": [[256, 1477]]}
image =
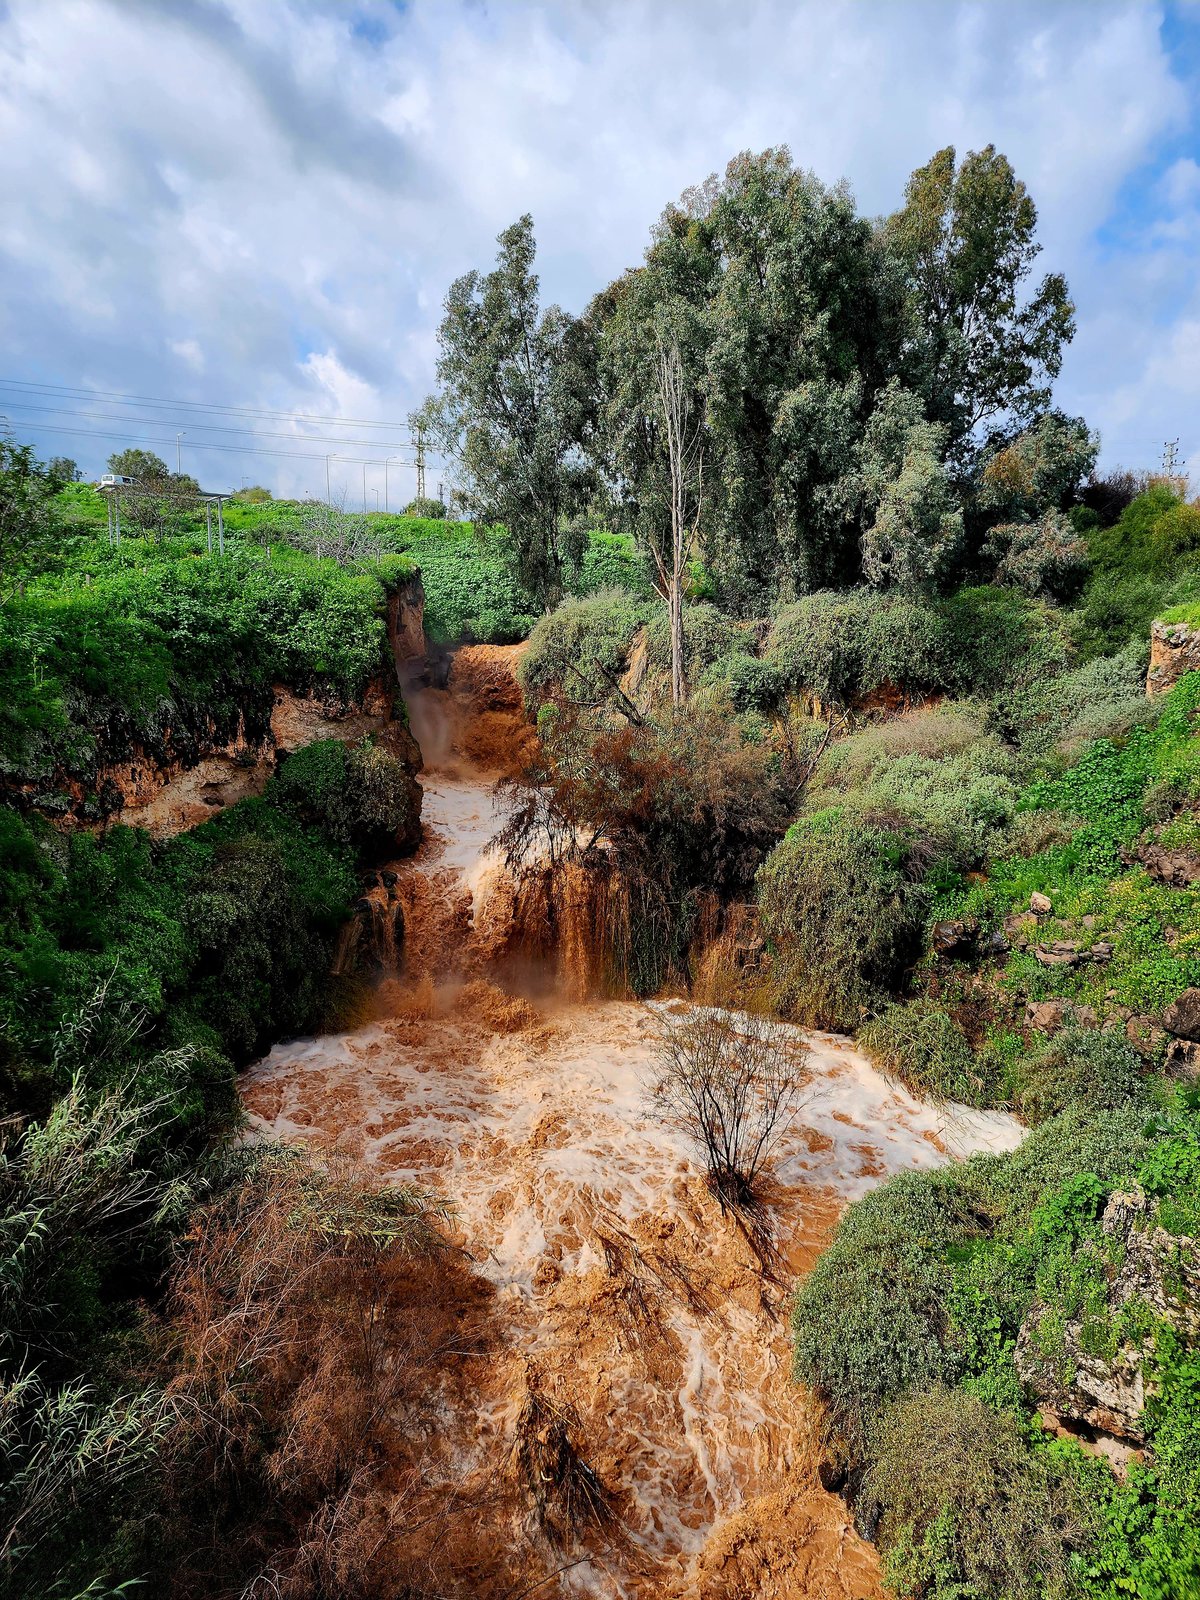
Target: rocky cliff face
{"points": [[194, 774], [1174, 650], [1086, 1372]]}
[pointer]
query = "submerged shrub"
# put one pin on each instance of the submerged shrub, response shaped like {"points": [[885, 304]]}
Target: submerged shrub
{"points": [[968, 1507], [925, 1048], [843, 900]]}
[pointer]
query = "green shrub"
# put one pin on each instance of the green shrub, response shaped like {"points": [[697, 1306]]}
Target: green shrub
{"points": [[925, 1048], [581, 647], [164, 647], [1108, 1144], [611, 561], [1151, 535], [968, 1508], [843, 647], [937, 766], [360, 797], [998, 642], [867, 1323], [708, 637], [843, 900], [1079, 1066]]}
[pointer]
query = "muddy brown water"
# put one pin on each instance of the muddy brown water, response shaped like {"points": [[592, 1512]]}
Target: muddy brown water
{"points": [[624, 1296]]}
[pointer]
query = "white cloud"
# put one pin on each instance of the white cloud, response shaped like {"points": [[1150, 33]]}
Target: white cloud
{"points": [[249, 201]]}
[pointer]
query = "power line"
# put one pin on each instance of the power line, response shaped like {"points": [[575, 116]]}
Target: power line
{"points": [[210, 427], [186, 405], [199, 444]]}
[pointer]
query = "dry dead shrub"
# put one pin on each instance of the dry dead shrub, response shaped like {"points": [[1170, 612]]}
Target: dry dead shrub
{"points": [[322, 1337], [732, 1081]]}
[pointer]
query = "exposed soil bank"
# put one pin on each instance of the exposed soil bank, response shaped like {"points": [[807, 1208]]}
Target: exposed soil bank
{"points": [[627, 1305]]}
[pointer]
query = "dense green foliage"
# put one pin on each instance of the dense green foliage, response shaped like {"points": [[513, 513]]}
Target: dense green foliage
{"points": [[160, 647], [838, 954]]}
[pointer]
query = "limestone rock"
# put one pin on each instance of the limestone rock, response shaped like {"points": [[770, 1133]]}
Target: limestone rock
{"points": [[1174, 651], [1144, 1263], [1183, 1059], [1177, 869], [1060, 953], [1182, 1016], [1051, 1016], [1039, 904]]}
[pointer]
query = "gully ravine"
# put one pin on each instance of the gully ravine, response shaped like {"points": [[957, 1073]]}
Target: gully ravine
{"points": [[624, 1303]]}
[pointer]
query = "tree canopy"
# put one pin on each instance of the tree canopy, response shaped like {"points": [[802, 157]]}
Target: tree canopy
{"points": [[512, 409], [872, 396]]}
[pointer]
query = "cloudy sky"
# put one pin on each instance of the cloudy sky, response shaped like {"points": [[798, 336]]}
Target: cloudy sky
{"points": [[260, 203]]}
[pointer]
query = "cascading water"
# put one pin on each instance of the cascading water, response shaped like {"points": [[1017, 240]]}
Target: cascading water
{"points": [[633, 1315]]}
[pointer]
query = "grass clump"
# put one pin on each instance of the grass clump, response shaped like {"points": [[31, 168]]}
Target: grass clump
{"points": [[922, 1045]]}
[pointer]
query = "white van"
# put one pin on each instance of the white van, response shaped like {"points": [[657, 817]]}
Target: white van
{"points": [[114, 480]]}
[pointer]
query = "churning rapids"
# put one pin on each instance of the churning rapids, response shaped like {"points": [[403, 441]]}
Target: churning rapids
{"points": [[623, 1300]]}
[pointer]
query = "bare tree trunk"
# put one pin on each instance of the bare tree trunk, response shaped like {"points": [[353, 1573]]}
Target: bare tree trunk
{"points": [[685, 456]]}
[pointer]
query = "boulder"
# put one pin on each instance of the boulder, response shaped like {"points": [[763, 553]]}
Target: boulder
{"points": [[953, 937], [1052, 1016], [1039, 904], [1174, 651], [1060, 953], [1182, 1016], [1177, 869], [1183, 1060]]}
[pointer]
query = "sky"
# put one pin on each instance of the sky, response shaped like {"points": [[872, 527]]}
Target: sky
{"points": [[260, 203]]}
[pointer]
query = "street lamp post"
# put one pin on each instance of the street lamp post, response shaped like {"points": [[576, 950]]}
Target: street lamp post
{"points": [[387, 463]]}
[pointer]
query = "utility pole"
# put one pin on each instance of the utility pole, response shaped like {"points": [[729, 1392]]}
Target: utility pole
{"points": [[364, 467], [178, 457], [118, 505], [420, 463], [208, 523], [1172, 466]]}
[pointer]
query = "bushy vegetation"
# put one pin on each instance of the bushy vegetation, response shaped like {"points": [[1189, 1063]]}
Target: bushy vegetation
{"points": [[159, 647], [845, 647], [893, 731], [839, 954], [136, 975]]}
